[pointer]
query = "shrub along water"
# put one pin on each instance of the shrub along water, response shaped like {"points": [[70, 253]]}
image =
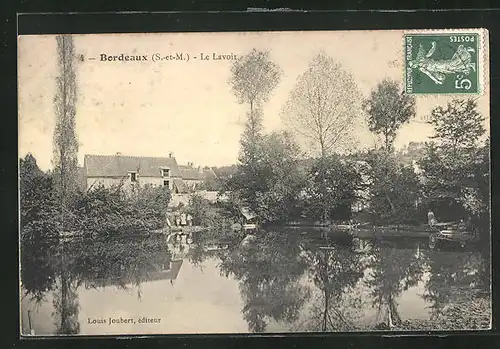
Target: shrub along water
{"points": [[109, 225]]}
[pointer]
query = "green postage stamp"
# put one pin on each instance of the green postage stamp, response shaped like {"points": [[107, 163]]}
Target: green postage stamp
{"points": [[442, 63]]}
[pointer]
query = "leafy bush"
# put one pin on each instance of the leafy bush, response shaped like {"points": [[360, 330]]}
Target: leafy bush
{"points": [[199, 209], [395, 190], [331, 188], [119, 210]]}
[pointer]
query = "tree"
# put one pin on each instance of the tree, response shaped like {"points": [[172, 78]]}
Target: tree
{"points": [[331, 189], [394, 190], [65, 141], [269, 272], [334, 273], [115, 211], [388, 109], [281, 181], [458, 127], [322, 106], [199, 208], [253, 77], [455, 165], [38, 227], [480, 205], [271, 185]]}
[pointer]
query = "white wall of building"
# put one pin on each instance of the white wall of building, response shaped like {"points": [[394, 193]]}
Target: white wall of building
{"points": [[109, 181]]}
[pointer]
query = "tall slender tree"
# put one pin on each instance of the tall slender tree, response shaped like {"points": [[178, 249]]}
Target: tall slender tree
{"points": [[253, 77], [65, 140], [65, 161]]}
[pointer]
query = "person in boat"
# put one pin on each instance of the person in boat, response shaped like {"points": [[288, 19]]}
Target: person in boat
{"points": [[466, 224], [431, 219]]}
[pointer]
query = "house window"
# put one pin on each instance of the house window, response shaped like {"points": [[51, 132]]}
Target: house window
{"points": [[133, 176], [166, 184], [165, 172]]}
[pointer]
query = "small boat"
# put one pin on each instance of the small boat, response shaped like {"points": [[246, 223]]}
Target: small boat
{"points": [[452, 235]]}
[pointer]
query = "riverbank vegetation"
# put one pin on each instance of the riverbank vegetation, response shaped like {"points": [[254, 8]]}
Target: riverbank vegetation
{"points": [[313, 171], [98, 214]]}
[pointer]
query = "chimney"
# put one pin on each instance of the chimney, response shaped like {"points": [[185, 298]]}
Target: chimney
{"points": [[170, 155]]}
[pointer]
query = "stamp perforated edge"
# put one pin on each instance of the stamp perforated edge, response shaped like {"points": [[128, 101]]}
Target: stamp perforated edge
{"points": [[482, 58]]}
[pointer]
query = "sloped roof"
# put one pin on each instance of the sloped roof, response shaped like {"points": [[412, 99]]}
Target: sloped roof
{"points": [[120, 165], [189, 172], [209, 174], [180, 185], [192, 173]]}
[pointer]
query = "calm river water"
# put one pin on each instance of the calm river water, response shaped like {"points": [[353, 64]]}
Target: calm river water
{"points": [[279, 282]]}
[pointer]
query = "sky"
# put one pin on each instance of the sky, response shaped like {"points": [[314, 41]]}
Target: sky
{"points": [[186, 107]]}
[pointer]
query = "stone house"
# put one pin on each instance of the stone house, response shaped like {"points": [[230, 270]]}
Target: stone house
{"points": [[110, 170]]}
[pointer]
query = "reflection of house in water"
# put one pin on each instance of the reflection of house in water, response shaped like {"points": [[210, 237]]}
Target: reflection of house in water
{"points": [[178, 247], [169, 272], [162, 265], [362, 245]]}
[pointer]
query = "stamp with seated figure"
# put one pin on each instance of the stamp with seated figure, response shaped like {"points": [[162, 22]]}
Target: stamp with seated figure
{"points": [[443, 63]]}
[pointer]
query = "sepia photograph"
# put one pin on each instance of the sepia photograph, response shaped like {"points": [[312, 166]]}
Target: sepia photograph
{"points": [[254, 182]]}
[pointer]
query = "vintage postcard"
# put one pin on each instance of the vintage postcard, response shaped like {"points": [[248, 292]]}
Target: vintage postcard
{"points": [[254, 182]]}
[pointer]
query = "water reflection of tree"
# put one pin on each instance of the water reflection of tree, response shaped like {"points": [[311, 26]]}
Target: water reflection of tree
{"points": [[452, 275], [269, 270], [39, 231], [197, 255], [37, 270], [66, 305], [392, 271], [93, 263], [335, 272], [120, 262]]}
